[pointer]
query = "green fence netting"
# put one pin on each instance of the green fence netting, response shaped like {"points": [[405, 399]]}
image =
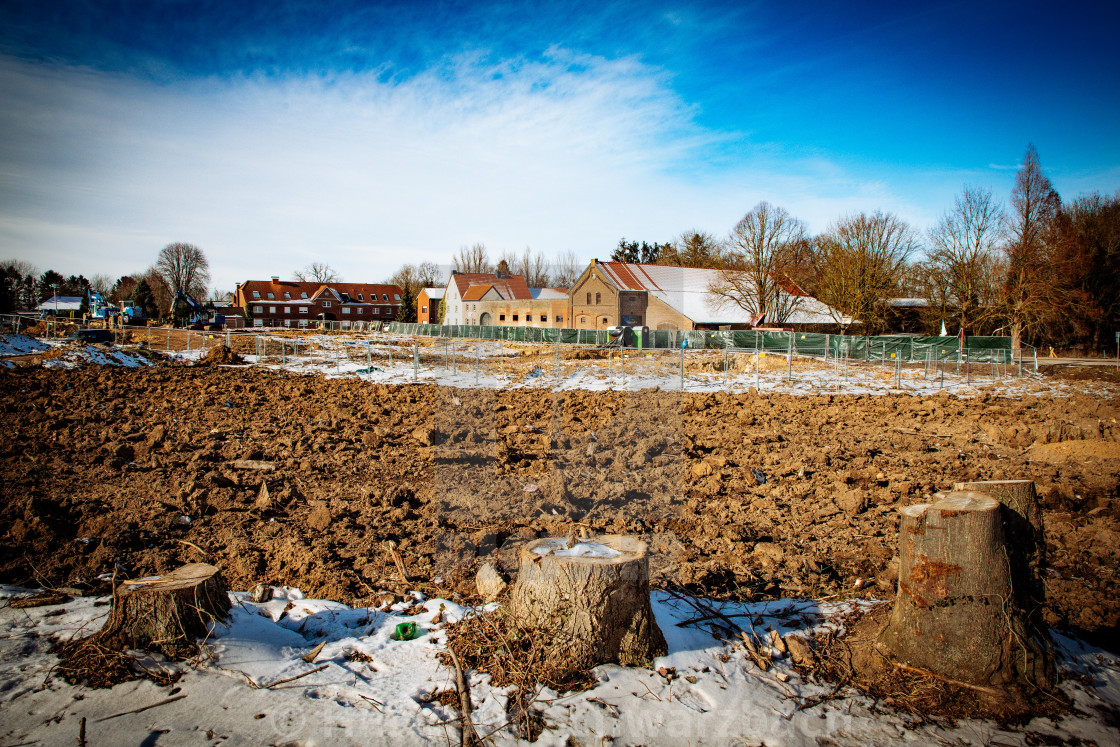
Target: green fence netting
{"points": [[886, 348]]}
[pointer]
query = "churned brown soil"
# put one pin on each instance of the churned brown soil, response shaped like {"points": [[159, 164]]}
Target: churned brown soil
{"points": [[302, 480]]}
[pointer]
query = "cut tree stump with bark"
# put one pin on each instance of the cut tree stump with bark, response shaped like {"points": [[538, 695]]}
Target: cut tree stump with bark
{"points": [[1023, 532], [592, 598], [168, 612], [955, 613]]}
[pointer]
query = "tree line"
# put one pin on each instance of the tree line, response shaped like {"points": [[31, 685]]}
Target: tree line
{"points": [[178, 265], [1037, 269]]}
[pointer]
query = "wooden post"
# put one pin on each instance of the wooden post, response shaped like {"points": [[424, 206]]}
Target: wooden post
{"points": [[593, 598], [955, 613]]}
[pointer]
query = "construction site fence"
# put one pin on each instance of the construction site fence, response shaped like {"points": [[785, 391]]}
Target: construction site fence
{"points": [[865, 348]]}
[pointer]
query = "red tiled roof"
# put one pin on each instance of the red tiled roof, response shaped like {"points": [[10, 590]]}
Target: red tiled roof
{"points": [[510, 288], [295, 288], [476, 292]]}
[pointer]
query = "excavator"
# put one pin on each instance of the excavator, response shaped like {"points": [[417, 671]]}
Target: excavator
{"points": [[197, 316]]}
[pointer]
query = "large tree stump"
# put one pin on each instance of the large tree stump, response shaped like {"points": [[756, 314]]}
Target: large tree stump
{"points": [[168, 612], [955, 613], [593, 600], [1023, 533]]}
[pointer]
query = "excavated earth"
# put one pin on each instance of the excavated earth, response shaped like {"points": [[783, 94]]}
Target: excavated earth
{"points": [[304, 481]]}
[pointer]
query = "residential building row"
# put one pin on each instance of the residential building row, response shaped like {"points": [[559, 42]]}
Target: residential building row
{"points": [[296, 304]]}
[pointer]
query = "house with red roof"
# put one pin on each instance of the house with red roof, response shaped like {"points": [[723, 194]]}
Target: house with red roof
{"points": [[299, 305]]}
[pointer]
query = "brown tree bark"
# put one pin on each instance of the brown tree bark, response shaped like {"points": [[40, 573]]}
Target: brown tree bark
{"points": [[955, 613], [597, 609], [168, 612], [1021, 517]]}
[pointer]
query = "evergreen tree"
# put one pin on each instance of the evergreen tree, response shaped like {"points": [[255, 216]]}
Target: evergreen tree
{"points": [[143, 298], [408, 305]]}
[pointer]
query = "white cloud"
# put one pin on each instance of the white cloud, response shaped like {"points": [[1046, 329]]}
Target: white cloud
{"points": [[365, 172]]}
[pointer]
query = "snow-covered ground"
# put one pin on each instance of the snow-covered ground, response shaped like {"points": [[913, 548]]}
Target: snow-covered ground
{"points": [[364, 687], [388, 359], [478, 364], [58, 354]]}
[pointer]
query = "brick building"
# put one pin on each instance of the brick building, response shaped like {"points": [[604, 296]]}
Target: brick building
{"points": [[427, 305], [290, 303]]}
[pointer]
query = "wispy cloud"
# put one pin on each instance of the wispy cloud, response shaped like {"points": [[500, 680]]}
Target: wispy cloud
{"points": [[563, 151]]}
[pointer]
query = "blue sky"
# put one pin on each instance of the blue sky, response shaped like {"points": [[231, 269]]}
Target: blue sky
{"points": [[367, 135]]}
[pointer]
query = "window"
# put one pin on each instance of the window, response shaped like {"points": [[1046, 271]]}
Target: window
{"points": [[376, 311], [501, 317], [287, 296], [258, 322], [588, 299], [272, 295], [303, 309], [598, 299], [287, 309], [303, 295], [326, 304], [258, 309], [528, 317], [345, 309], [544, 317], [361, 310], [271, 309], [559, 319], [256, 294], [423, 309], [360, 297], [287, 322], [303, 322], [583, 320], [515, 317], [385, 297], [396, 298]]}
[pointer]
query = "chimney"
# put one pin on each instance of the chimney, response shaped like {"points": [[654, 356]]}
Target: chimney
{"points": [[275, 279]]}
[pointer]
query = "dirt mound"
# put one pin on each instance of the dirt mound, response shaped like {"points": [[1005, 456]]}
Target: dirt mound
{"points": [[303, 481], [221, 355]]}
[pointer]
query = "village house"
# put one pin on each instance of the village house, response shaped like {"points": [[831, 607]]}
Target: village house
{"points": [[427, 305], [295, 304], [665, 297], [502, 300]]}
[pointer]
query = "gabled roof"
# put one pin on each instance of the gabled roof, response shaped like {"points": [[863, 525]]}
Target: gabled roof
{"points": [[335, 291], [435, 293], [509, 287], [476, 292], [686, 290]]}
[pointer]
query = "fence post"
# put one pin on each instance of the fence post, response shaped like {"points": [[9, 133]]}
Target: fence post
{"points": [[967, 367], [898, 372], [790, 356], [682, 369], [415, 360]]}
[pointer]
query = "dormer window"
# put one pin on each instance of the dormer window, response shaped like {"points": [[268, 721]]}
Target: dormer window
{"points": [[361, 297], [288, 296], [384, 296], [271, 295], [256, 294], [303, 295], [397, 297]]}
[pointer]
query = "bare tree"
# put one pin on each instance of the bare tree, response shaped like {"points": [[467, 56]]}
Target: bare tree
{"points": [[430, 275], [566, 269], [317, 272], [533, 267], [472, 258], [961, 260], [1029, 294], [693, 249], [759, 253], [858, 264], [102, 283], [123, 288], [162, 293], [184, 266]]}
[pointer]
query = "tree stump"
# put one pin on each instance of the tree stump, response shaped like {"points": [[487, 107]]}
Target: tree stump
{"points": [[955, 613], [593, 600], [1023, 533], [168, 612]]}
